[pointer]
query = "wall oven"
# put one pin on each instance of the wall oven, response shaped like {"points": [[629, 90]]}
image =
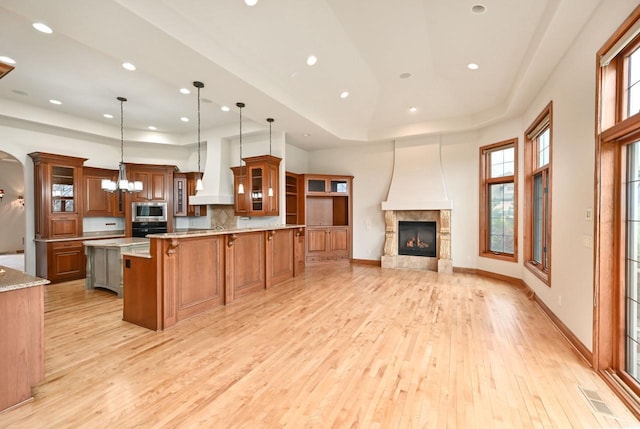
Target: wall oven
{"points": [[148, 218], [154, 211], [141, 229]]}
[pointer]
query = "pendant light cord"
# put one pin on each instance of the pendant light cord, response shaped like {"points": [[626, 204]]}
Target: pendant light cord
{"points": [[122, 100], [199, 171]]}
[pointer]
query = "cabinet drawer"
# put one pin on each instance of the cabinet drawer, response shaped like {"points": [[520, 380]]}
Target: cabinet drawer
{"points": [[66, 245]]}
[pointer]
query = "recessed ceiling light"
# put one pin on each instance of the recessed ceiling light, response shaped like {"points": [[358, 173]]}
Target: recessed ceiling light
{"points": [[184, 91], [225, 108], [413, 109], [250, 2], [184, 119], [52, 101], [478, 9], [152, 128], [7, 60], [473, 66], [128, 66], [311, 60], [43, 28], [344, 94], [108, 115], [405, 75]]}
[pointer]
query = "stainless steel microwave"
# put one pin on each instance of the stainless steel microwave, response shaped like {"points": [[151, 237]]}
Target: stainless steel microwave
{"points": [[154, 211]]}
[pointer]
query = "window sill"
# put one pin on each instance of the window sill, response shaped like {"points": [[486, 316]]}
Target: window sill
{"points": [[538, 273], [499, 256]]}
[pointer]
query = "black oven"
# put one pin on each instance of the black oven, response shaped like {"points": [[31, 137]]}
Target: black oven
{"points": [[141, 229]]}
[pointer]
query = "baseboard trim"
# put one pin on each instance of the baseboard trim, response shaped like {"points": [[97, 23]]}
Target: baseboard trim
{"points": [[575, 343], [373, 262], [580, 348]]}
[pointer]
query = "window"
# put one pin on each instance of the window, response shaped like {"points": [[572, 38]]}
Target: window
{"points": [[538, 144], [498, 200], [616, 339]]}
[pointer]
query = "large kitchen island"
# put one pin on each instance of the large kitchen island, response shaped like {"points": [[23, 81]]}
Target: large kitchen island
{"points": [[187, 273]]}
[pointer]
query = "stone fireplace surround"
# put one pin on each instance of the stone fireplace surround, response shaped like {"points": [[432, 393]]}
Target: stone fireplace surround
{"points": [[391, 259]]}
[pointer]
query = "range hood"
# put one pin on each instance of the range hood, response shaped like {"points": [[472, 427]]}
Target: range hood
{"points": [[418, 179], [217, 178]]}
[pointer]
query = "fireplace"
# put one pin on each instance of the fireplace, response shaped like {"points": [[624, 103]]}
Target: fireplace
{"points": [[417, 238]]}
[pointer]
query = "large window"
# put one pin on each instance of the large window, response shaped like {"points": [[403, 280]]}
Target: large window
{"points": [[498, 197], [538, 145], [617, 231]]}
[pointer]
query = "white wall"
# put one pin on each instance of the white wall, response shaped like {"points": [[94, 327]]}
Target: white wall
{"points": [[12, 213]]}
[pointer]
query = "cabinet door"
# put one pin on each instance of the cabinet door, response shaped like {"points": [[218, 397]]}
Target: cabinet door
{"points": [[64, 181], [159, 187], [317, 244], [240, 201], [98, 202], [271, 182], [256, 196], [66, 261], [316, 185], [339, 242], [180, 190]]}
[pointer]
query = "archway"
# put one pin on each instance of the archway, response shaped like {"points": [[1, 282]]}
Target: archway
{"points": [[12, 212]]}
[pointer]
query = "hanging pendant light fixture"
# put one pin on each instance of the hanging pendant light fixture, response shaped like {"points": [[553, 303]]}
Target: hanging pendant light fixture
{"points": [[270, 121], [122, 183], [241, 185], [199, 186]]}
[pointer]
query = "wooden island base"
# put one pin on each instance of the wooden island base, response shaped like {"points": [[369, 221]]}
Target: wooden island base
{"points": [[186, 274]]}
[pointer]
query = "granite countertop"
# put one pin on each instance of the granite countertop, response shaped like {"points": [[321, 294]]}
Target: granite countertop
{"points": [[87, 236], [206, 232], [11, 279], [117, 242]]}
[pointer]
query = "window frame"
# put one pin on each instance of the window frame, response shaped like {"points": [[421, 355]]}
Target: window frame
{"points": [[614, 130], [543, 121], [485, 182]]}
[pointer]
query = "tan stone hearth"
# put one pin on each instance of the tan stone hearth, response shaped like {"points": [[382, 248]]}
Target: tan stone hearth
{"points": [[391, 259]]}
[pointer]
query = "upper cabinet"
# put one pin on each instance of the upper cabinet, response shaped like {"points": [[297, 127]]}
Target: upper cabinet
{"points": [[58, 202], [98, 202], [260, 179], [184, 186], [323, 185], [157, 182], [294, 199]]}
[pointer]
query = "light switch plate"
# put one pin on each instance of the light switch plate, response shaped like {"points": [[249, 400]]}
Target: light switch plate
{"points": [[589, 214]]}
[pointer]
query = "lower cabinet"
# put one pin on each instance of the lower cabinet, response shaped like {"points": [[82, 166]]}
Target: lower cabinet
{"points": [[60, 261], [327, 243]]}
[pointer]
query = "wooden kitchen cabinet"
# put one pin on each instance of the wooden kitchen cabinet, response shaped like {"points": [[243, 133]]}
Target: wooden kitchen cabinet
{"points": [[96, 201], [328, 211], [58, 206], [60, 261], [157, 181], [257, 175], [184, 186]]}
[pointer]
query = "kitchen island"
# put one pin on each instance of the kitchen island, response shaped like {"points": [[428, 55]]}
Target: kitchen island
{"points": [[104, 261], [187, 273], [21, 335]]}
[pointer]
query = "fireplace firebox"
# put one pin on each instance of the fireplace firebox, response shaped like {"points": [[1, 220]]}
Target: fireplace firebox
{"points": [[417, 238]]}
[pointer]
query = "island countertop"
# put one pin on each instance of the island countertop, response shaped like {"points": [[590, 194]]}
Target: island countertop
{"points": [[206, 232], [116, 242], [11, 279]]}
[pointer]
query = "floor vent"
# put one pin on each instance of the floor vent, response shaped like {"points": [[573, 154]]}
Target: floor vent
{"points": [[596, 401]]}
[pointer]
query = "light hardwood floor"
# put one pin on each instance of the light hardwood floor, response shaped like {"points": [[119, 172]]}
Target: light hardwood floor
{"points": [[339, 347]]}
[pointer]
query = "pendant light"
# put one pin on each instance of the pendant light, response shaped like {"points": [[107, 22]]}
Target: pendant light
{"points": [[122, 184], [241, 185], [270, 121], [199, 186]]}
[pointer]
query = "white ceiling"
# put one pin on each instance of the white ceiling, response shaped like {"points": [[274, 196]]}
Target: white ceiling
{"points": [[257, 55]]}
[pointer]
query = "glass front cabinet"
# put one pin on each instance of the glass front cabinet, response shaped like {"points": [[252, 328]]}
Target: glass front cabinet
{"points": [[57, 200], [259, 177]]}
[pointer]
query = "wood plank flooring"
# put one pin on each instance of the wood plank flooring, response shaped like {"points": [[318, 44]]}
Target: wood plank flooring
{"points": [[338, 347]]}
